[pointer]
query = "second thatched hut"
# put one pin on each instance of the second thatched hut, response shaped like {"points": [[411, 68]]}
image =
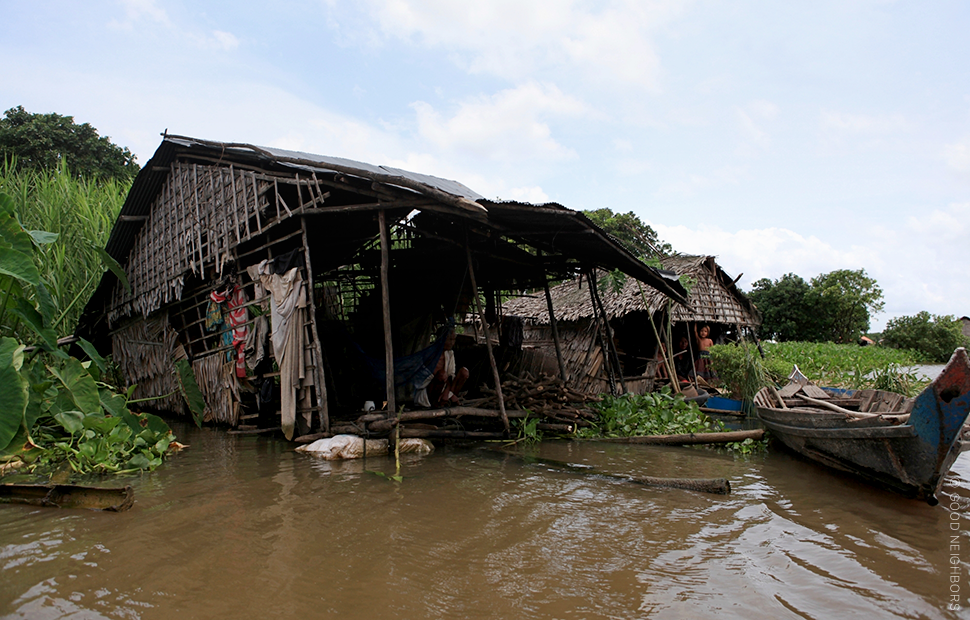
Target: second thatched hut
{"points": [[620, 353]]}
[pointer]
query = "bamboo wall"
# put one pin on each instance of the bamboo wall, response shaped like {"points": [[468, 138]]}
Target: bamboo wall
{"points": [[583, 357], [199, 224], [144, 350]]}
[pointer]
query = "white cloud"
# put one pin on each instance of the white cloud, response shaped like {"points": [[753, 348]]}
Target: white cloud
{"points": [[138, 10], [609, 43], [919, 263], [534, 195], [842, 122], [225, 40], [957, 156], [510, 125], [753, 118]]}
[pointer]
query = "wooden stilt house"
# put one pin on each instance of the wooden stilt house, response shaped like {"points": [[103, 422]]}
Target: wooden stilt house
{"points": [[300, 287], [607, 342]]}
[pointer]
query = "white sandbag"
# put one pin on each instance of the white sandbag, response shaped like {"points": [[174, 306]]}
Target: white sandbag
{"points": [[413, 445], [352, 447]]}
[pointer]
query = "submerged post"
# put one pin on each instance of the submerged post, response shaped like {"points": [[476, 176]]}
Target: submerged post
{"points": [[488, 341]]}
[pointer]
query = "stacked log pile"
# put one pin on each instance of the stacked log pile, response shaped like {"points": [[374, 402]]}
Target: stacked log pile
{"points": [[545, 396], [560, 409]]}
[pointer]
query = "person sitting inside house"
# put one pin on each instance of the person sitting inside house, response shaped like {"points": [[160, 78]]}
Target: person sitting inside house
{"points": [[448, 380], [704, 343]]}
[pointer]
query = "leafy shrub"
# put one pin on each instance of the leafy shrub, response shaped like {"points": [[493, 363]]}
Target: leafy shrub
{"points": [[933, 337], [740, 369]]}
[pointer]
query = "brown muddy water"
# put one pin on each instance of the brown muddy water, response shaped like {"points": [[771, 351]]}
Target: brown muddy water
{"points": [[244, 527]]}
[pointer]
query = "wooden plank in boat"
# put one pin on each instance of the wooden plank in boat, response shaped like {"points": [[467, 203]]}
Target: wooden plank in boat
{"points": [[813, 391], [790, 390]]}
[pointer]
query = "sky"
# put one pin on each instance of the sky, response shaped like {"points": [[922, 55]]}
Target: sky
{"points": [[780, 137]]}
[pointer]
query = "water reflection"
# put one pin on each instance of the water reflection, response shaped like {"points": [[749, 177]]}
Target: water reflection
{"points": [[245, 526]]}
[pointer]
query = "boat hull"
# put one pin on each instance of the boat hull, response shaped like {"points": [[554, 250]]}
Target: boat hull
{"points": [[910, 458]]}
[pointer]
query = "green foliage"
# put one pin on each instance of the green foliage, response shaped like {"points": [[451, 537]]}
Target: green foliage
{"points": [[55, 409], [655, 413], [80, 214], [639, 238], [61, 412], [190, 390], [847, 299], [932, 337], [740, 368], [48, 141], [527, 429], [786, 310], [835, 306]]}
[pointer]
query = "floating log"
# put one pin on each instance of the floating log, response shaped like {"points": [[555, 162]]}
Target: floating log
{"points": [[740, 414], [68, 496], [450, 434], [690, 438], [717, 486]]}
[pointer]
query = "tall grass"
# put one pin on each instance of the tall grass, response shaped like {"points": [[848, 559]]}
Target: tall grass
{"points": [[82, 212]]}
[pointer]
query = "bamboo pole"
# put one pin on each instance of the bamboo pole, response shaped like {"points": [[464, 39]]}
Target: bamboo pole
{"points": [[198, 217], [488, 340], [614, 356], [605, 348], [555, 329], [259, 225], [386, 307], [318, 370]]}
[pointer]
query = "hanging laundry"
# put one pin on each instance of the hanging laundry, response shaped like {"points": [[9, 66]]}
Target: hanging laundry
{"points": [[213, 312], [236, 319], [288, 316]]}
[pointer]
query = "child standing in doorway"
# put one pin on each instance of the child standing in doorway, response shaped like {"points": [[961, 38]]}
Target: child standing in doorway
{"points": [[704, 343]]}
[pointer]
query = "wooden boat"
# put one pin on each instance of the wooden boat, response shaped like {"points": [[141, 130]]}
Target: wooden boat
{"points": [[116, 499], [908, 448]]}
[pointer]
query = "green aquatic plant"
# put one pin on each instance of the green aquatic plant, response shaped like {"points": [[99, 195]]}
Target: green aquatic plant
{"points": [[657, 413], [654, 413], [57, 411], [526, 429]]}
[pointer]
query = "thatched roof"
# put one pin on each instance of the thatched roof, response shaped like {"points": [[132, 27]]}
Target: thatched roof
{"points": [[196, 202], [713, 299]]}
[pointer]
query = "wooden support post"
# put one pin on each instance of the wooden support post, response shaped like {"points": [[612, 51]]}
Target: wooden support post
{"points": [[611, 346], [319, 376], [386, 306], [555, 330], [602, 331], [488, 340]]}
